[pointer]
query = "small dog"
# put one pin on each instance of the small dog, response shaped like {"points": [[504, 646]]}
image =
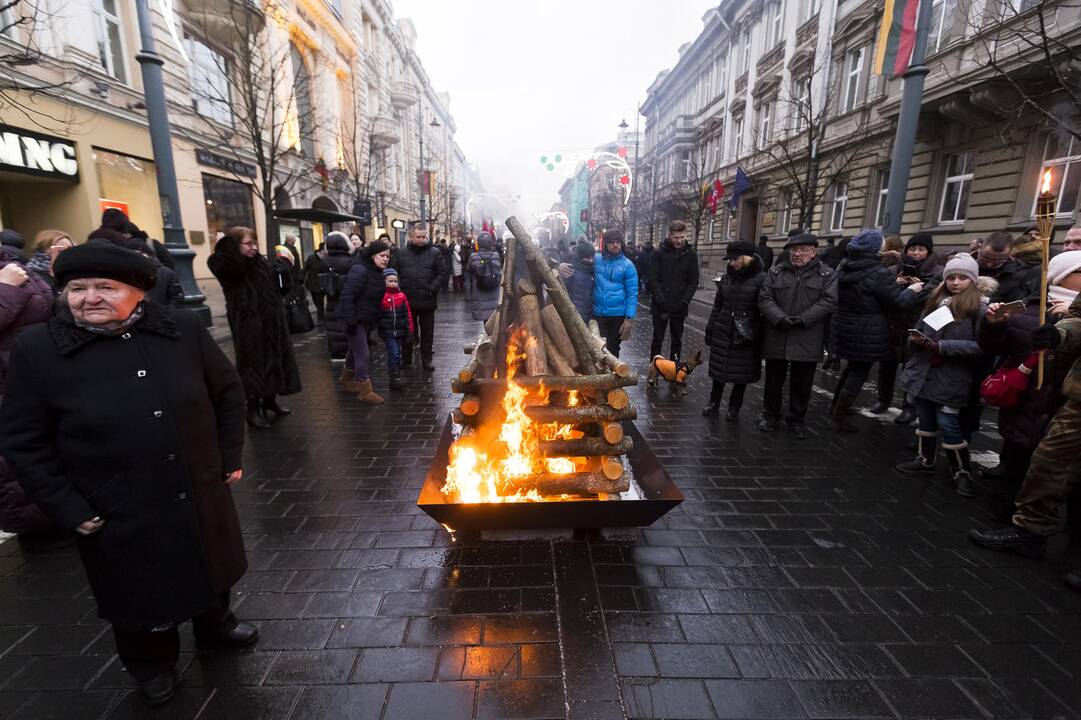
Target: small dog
{"points": [[672, 371]]}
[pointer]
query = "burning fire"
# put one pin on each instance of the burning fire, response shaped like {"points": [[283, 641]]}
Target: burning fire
{"points": [[1046, 187], [485, 472]]}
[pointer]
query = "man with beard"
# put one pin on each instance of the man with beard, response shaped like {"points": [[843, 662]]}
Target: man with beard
{"points": [[672, 279]]}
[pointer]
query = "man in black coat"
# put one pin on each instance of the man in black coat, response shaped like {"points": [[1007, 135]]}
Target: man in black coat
{"points": [[1016, 281], [422, 272], [672, 279], [125, 423], [765, 252]]}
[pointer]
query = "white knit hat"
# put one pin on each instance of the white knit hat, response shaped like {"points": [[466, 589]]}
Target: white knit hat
{"points": [[1062, 265]]}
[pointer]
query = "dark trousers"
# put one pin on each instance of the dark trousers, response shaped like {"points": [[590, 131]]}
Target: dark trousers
{"points": [[854, 376], [424, 321], [609, 327], [1042, 500], [1015, 459], [147, 654], [801, 376], [887, 380], [320, 300], [735, 398], [661, 324]]}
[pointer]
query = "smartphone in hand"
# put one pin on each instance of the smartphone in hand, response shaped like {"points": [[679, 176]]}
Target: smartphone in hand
{"points": [[914, 333], [1004, 310]]}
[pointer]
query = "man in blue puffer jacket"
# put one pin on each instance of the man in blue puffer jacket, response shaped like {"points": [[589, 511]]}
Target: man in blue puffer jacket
{"points": [[615, 292]]}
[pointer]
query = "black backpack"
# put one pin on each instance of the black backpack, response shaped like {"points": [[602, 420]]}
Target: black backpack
{"points": [[331, 283], [487, 278]]}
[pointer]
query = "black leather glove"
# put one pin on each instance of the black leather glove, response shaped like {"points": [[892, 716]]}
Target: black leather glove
{"points": [[1046, 337], [787, 323]]}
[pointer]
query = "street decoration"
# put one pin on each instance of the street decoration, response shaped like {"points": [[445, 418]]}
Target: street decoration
{"points": [[896, 37]]}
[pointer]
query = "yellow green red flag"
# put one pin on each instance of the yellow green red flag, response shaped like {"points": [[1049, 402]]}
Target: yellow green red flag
{"points": [[896, 37]]}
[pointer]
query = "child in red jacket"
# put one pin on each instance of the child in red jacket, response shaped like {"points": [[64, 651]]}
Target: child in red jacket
{"points": [[395, 326]]}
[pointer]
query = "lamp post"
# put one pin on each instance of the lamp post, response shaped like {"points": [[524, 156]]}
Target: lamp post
{"points": [[1045, 223], [161, 142], [634, 188]]}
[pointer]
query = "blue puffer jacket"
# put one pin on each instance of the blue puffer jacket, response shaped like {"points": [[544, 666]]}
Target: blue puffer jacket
{"points": [[615, 292]]}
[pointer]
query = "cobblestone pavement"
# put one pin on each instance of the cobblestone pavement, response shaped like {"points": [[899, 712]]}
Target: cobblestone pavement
{"points": [[798, 580]]}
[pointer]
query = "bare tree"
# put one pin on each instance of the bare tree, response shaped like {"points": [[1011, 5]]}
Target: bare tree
{"points": [[366, 164], [263, 109], [690, 198], [22, 23]]}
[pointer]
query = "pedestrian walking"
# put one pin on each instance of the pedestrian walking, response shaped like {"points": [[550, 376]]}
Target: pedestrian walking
{"points": [[672, 280], [43, 251], [580, 283], [457, 269], [256, 314], [422, 271], [314, 268], [138, 462], [395, 326], [485, 271], [359, 309], [867, 291], [734, 330], [765, 252], [645, 259], [615, 292], [941, 372], [338, 262], [798, 295]]}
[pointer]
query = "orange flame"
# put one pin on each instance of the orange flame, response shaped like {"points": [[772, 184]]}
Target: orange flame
{"points": [[484, 472], [1046, 187]]}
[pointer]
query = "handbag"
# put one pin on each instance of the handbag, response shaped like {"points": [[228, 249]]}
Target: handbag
{"points": [[742, 328], [331, 283], [1004, 387], [300, 318]]}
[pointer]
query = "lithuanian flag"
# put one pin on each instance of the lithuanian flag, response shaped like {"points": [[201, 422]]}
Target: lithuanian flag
{"points": [[897, 37]]}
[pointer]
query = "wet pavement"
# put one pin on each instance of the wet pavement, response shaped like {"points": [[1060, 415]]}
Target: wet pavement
{"points": [[799, 579]]}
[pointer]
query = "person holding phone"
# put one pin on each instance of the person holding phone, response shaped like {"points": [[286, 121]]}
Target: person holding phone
{"points": [[940, 373]]}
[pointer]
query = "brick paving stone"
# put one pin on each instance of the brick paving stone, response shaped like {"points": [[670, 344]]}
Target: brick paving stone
{"points": [[798, 579]]}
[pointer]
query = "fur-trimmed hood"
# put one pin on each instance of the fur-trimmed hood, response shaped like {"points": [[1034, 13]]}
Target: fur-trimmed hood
{"points": [[987, 287]]}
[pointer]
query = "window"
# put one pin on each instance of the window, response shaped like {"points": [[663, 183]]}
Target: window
{"points": [[718, 147], [801, 113], [110, 47], [853, 75], [942, 18], [955, 188], [685, 165], [808, 9], [228, 204], [9, 19], [882, 184], [1063, 157], [784, 221], [765, 127], [208, 73], [838, 202], [737, 136], [335, 7], [744, 52], [774, 25], [1020, 6], [303, 97]]}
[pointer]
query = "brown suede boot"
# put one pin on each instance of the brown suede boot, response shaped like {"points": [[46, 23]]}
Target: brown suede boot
{"points": [[366, 394], [349, 380]]}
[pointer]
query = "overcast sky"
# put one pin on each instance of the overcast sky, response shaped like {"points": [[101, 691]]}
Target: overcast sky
{"points": [[543, 77]]}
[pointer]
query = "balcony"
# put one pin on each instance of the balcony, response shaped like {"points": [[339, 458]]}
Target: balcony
{"points": [[226, 21], [403, 94], [385, 132]]}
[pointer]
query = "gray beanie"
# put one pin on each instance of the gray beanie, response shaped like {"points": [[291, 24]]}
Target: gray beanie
{"points": [[962, 264]]}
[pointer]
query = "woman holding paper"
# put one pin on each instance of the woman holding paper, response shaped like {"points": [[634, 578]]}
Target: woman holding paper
{"points": [[942, 370]]}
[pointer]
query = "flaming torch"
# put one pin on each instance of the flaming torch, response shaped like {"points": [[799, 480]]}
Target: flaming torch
{"points": [[1045, 221]]}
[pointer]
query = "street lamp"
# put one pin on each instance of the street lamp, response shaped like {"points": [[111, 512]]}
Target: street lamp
{"points": [[423, 178], [634, 188]]}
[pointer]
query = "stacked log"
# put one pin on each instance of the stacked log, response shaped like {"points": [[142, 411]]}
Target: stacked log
{"points": [[570, 377]]}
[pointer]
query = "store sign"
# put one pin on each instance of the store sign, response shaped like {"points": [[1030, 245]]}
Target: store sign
{"points": [[32, 153], [104, 205], [209, 159]]}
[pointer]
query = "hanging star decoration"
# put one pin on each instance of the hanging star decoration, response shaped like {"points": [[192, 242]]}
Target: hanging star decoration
{"points": [[624, 179], [622, 152], [591, 164]]}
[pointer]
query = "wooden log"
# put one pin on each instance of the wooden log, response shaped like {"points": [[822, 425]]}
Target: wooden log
{"points": [[557, 363], [598, 383], [582, 483], [483, 358], [612, 468], [462, 419], [618, 398], [572, 321], [536, 356], [579, 414], [558, 334], [610, 431], [610, 361], [470, 405], [584, 447], [525, 286], [502, 315]]}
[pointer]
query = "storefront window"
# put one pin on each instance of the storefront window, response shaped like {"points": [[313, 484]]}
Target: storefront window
{"points": [[131, 181], [228, 203]]}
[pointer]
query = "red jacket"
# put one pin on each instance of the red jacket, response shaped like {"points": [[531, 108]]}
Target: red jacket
{"points": [[397, 317]]}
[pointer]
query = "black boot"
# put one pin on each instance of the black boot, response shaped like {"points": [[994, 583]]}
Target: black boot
{"points": [[396, 381], [1073, 578], [796, 429], [880, 407], [733, 412], [768, 423], [712, 410], [961, 468], [256, 419], [158, 690], [907, 416], [427, 364], [270, 405], [839, 416], [1010, 539], [229, 636], [926, 452]]}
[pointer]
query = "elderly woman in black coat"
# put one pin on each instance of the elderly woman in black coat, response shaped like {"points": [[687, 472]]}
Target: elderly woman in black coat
{"points": [[734, 331], [125, 423], [867, 294], [256, 313]]}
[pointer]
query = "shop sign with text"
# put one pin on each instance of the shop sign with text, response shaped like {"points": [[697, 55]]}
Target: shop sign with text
{"points": [[32, 153]]}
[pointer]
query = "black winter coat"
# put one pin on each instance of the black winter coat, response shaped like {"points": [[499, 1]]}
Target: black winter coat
{"points": [[810, 294], [947, 376], [140, 430], [672, 279], [1016, 281], [422, 272], [339, 262], [18, 513], [314, 266], [732, 361], [362, 295], [867, 292], [253, 306], [1026, 422]]}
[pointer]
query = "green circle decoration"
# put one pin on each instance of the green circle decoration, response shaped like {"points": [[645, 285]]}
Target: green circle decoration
{"points": [[551, 166], [559, 158], [544, 159]]}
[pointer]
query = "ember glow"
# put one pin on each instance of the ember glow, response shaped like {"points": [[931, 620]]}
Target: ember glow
{"points": [[486, 467], [1046, 181]]}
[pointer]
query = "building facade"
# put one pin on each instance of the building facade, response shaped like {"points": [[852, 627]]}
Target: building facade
{"points": [[278, 108], [786, 91]]}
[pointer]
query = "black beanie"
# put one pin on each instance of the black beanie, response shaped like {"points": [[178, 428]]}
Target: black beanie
{"points": [[11, 238], [585, 250], [104, 260], [738, 248], [922, 238]]}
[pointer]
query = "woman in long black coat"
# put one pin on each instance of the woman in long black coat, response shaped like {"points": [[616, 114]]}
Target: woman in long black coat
{"points": [[734, 331], [338, 261], [253, 305], [125, 423]]}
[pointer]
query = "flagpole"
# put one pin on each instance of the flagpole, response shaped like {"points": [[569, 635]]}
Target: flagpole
{"points": [[907, 123]]}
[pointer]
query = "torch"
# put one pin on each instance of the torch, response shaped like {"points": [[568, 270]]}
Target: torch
{"points": [[1045, 220]]}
